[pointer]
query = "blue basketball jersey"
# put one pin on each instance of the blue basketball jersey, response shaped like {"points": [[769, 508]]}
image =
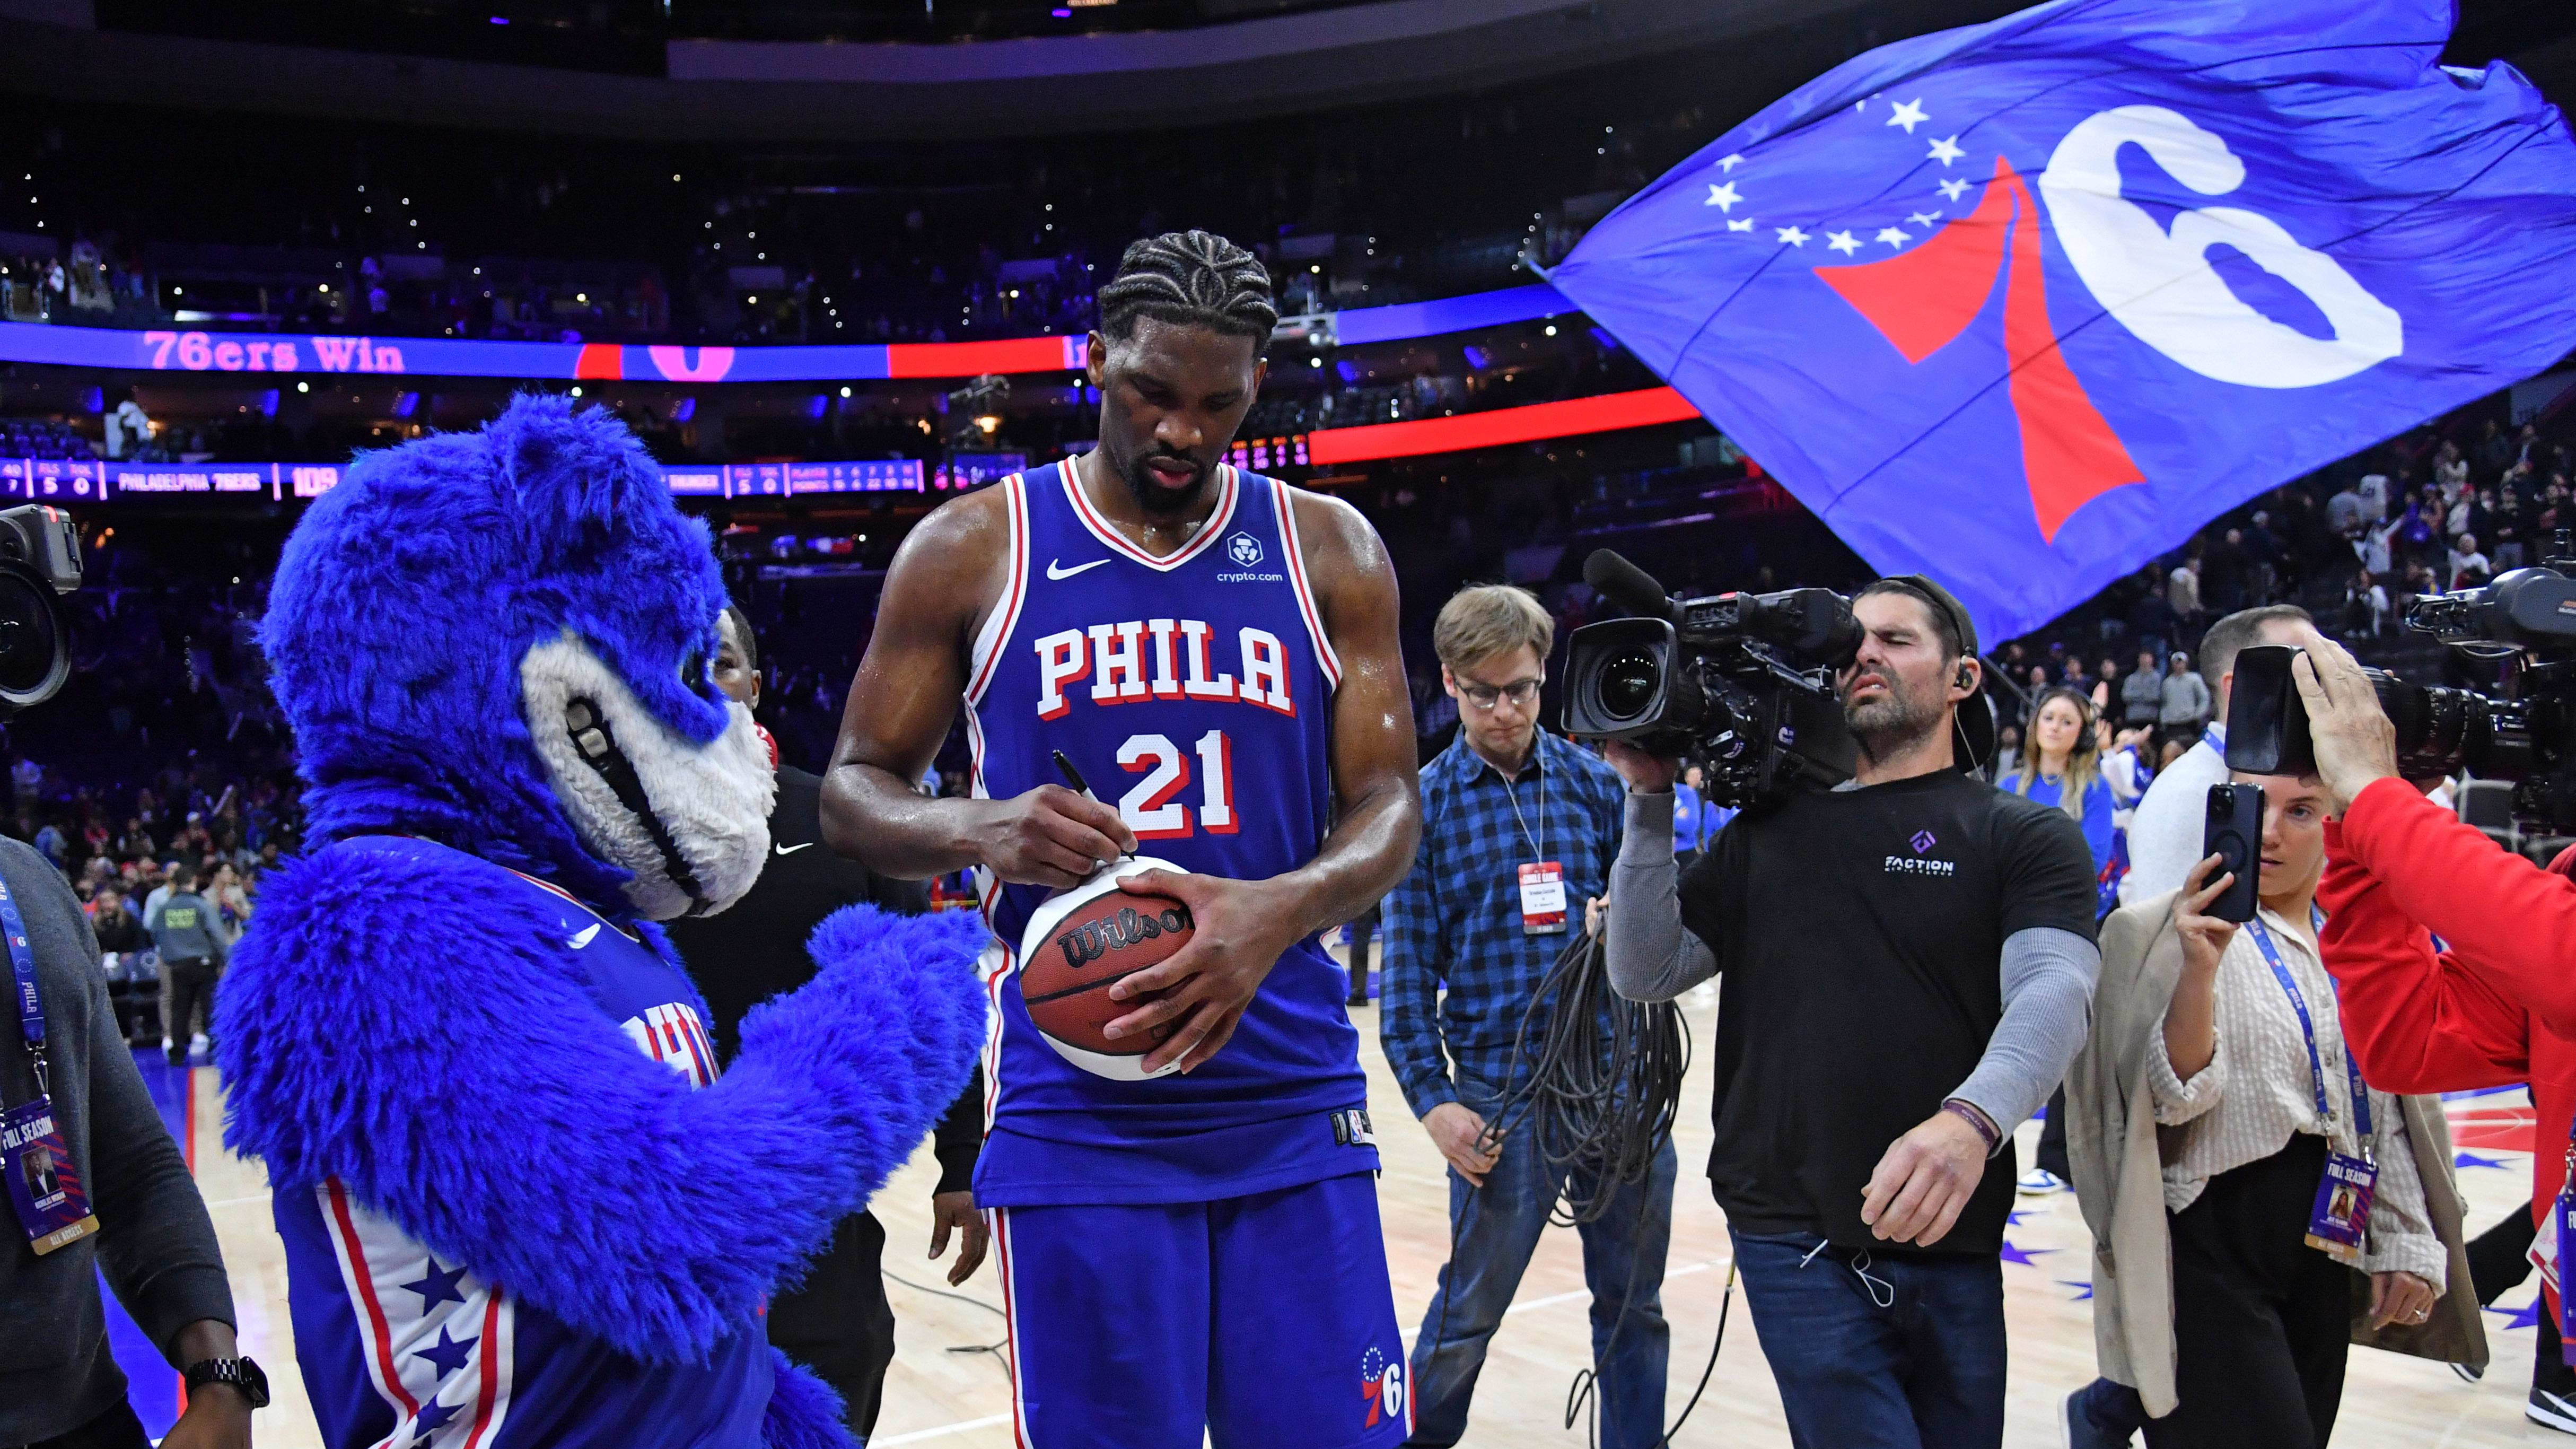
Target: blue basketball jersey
{"points": [[1194, 693], [400, 1345]]}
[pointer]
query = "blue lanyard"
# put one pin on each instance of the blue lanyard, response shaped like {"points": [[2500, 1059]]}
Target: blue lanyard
{"points": [[2308, 1029], [22, 967]]}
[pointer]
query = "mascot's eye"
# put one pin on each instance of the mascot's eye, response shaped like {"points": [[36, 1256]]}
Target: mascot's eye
{"points": [[693, 671]]}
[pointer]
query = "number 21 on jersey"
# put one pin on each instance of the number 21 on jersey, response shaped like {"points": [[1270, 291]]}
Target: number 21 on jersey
{"points": [[1153, 807]]}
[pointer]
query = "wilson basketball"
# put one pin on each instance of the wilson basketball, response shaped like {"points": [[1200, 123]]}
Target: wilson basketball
{"points": [[1081, 943]]}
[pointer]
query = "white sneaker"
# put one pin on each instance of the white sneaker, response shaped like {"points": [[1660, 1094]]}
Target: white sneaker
{"points": [[2039, 1182], [165, 1044], [197, 1046], [2550, 1411]]}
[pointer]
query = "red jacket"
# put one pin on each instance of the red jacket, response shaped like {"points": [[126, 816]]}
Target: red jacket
{"points": [[2499, 1007]]}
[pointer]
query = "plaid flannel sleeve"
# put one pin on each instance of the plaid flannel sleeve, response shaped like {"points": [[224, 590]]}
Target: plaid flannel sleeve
{"points": [[1417, 959]]}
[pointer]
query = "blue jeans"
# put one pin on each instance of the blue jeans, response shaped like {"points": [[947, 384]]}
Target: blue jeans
{"points": [[1878, 1351], [1623, 1264]]}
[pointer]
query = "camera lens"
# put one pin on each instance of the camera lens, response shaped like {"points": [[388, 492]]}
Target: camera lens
{"points": [[1628, 684], [34, 658]]}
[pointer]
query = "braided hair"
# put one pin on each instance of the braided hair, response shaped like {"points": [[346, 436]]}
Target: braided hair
{"points": [[1194, 278]]}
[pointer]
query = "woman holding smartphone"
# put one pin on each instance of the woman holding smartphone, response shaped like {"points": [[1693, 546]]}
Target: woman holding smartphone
{"points": [[2223, 1143]]}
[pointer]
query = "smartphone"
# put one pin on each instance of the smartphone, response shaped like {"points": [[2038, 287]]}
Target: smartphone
{"points": [[2267, 720], [2233, 831]]}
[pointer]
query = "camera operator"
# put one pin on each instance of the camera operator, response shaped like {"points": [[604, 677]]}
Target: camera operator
{"points": [[96, 1186], [2498, 1007], [1906, 965]]}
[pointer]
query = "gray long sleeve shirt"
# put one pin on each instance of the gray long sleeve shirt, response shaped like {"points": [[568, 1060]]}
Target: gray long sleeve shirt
{"points": [[2047, 974], [155, 1242]]}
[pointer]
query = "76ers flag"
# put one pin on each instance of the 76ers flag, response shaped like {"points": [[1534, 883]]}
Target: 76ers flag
{"points": [[2024, 304]]}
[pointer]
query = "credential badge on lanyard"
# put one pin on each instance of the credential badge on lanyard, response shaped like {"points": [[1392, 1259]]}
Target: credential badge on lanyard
{"points": [[44, 1186], [2340, 1219], [1542, 881]]}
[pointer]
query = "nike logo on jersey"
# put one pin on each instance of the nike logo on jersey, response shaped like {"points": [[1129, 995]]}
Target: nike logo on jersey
{"points": [[582, 937], [1057, 570], [792, 849], [1160, 659]]}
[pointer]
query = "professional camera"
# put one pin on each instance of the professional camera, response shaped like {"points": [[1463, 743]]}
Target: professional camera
{"points": [[2526, 616], [40, 560], [1744, 683]]}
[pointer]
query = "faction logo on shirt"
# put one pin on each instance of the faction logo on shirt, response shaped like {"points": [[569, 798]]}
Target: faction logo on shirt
{"points": [[1917, 864], [1381, 1388]]}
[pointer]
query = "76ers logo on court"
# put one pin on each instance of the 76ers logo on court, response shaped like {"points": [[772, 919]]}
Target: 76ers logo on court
{"points": [[1381, 1388], [1244, 549]]}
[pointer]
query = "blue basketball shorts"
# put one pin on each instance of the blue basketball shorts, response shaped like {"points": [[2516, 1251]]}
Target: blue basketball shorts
{"points": [[1262, 1322]]}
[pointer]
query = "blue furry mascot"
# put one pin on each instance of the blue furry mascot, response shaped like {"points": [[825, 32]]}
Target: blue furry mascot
{"points": [[519, 1208]]}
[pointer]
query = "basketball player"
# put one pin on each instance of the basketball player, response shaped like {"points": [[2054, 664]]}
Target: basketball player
{"points": [[1217, 654]]}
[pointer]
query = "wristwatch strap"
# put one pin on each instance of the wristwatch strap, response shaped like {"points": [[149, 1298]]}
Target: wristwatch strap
{"points": [[242, 1373]]}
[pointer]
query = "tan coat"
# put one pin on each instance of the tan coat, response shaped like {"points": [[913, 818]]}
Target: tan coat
{"points": [[2119, 1178]]}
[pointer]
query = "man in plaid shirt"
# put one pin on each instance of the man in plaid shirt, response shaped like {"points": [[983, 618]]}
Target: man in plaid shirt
{"points": [[1519, 830]]}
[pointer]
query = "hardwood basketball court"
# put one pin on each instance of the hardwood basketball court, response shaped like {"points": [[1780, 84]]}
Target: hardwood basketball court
{"points": [[948, 1387]]}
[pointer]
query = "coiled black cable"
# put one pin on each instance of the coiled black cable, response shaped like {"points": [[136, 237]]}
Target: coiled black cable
{"points": [[1603, 1087], [1598, 1103]]}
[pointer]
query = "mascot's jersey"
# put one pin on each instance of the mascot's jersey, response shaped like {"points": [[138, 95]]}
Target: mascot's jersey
{"points": [[1194, 691], [402, 1348]]}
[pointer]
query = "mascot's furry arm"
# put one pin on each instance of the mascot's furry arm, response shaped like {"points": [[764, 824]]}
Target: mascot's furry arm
{"points": [[420, 1036]]}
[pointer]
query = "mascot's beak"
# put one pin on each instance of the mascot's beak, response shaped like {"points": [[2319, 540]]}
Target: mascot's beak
{"points": [[687, 819], [598, 747]]}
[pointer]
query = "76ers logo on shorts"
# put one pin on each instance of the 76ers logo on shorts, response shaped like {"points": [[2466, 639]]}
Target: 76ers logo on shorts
{"points": [[1381, 1388]]}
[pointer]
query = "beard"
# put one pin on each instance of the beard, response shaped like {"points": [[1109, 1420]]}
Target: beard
{"points": [[1896, 719], [1156, 498]]}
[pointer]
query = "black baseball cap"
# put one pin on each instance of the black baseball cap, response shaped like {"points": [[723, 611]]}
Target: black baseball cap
{"points": [[1974, 731]]}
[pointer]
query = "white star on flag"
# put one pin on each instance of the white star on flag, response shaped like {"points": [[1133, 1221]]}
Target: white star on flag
{"points": [[1722, 196], [1946, 150], [1841, 241], [1793, 236], [1892, 236], [1924, 218], [1909, 114], [1729, 163], [1742, 223], [1954, 188]]}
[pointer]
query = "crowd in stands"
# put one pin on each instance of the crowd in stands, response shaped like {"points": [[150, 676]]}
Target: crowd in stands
{"points": [[169, 678], [390, 231], [2444, 507], [39, 283]]}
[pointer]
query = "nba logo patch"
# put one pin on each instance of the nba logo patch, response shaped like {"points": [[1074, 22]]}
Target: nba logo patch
{"points": [[1244, 549], [1381, 1388]]}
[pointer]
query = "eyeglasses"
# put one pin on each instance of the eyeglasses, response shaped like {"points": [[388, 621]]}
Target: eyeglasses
{"points": [[1485, 696]]}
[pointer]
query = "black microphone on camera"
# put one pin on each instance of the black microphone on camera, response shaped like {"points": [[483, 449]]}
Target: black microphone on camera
{"points": [[1628, 586]]}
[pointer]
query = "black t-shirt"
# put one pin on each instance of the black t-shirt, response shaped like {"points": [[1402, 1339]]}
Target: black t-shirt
{"points": [[1859, 939], [755, 949]]}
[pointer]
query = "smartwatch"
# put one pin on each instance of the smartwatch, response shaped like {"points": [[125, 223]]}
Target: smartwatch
{"points": [[241, 1373]]}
